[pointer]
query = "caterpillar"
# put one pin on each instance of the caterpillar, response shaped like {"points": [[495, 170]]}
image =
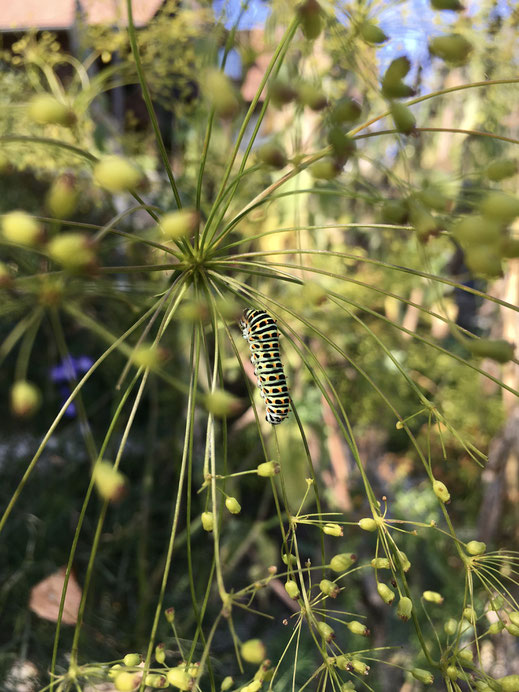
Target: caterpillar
{"points": [[260, 330]]}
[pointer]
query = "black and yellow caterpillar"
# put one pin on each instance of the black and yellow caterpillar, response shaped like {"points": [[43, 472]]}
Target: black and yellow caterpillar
{"points": [[260, 330]]}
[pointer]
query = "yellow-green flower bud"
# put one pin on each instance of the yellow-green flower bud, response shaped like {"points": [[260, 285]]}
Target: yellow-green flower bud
{"points": [[500, 207], [116, 174], [44, 109], [385, 593], [394, 211], [220, 93], [111, 484], [474, 230], [484, 261], [372, 33], [179, 678], [126, 682], [311, 96], [325, 169], [453, 49], [21, 228], [170, 615], [441, 492], [156, 681], [451, 627], [232, 505], [465, 656], [180, 223], [160, 653], [432, 597], [310, 17], [405, 608], [482, 686], [357, 627], [512, 629], [146, 356], [329, 588], [325, 631], [496, 627], [421, 219], [289, 559], [433, 198], [292, 588], [497, 603], [452, 673], [348, 686], [207, 521], [358, 666], [368, 524], [253, 686], [25, 399], [404, 120], [501, 169], [332, 529], [221, 403], [502, 352], [514, 617], [422, 676], [404, 561], [268, 469], [114, 671], [510, 683], [272, 154], [62, 197], [380, 563], [469, 614], [132, 660], [227, 683], [253, 651], [342, 562], [72, 250]]}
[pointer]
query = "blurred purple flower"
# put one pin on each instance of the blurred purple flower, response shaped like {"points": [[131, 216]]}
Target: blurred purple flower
{"points": [[68, 370]]}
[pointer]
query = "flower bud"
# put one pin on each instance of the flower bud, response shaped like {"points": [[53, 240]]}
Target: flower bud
{"points": [[372, 33], [116, 174], [454, 5], [422, 676], [160, 654], [454, 49], [510, 683], [253, 686], [114, 671], [44, 109], [311, 96], [146, 356], [451, 627], [380, 563], [325, 631], [207, 521], [72, 250], [368, 524], [289, 559], [109, 481], [465, 656], [512, 629], [310, 17], [332, 530], [220, 93], [345, 111], [441, 492], [501, 351], [253, 651], [62, 197], [268, 469], [358, 628], [329, 588], [404, 561], [221, 403], [405, 608], [232, 505], [501, 169], [348, 686], [21, 228], [496, 627], [469, 614], [25, 399], [292, 589], [404, 120], [170, 615], [432, 597], [227, 683], [514, 617], [272, 154], [155, 680], [500, 207], [126, 682], [497, 603], [132, 660], [452, 673], [385, 593], [179, 678], [358, 666], [180, 223], [342, 562]]}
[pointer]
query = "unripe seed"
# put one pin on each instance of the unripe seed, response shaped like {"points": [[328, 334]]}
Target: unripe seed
{"points": [[385, 593], [25, 398], [110, 482], [447, 5], [368, 524], [514, 617], [207, 521], [380, 563], [132, 660], [478, 547], [179, 678], [342, 561], [221, 403], [501, 169], [62, 197], [501, 351], [325, 169], [272, 154], [404, 120], [227, 683], [512, 629], [332, 529], [432, 597], [325, 631], [441, 492], [405, 608], [453, 49], [292, 589], [160, 654], [232, 505], [452, 673], [178, 224], [496, 627], [329, 588], [126, 682], [345, 111], [372, 33], [500, 207], [310, 17], [451, 627], [72, 250], [422, 676], [44, 109], [358, 628], [19, 227], [268, 469], [311, 96], [510, 683], [116, 174], [253, 651], [220, 93]]}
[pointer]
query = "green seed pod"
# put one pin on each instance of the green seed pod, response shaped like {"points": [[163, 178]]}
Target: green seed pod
{"points": [[345, 111], [484, 261], [253, 651], [73, 251], [500, 207], [155, 680], [116, 174], [432, 597], [220, 93], [512, 629], [268, 469], [311, 96], [207, 521], [44, 109], [310, 17], [501, 169], [221, 403], [329, 588], [476, 547], [292, 589], [514, 617], [178, 224], [502, 352], [325, 169], [394, 211], [452, 673], [465, 656], [380, 563], [170, 615], [454, 49], [385, 593], [160, 654], [392, 84], [454, 5], [372, 33], [441, 492], [368, 524], [325, 631], [477, 230], [21, 228], [132, 660], [451, 627], [126, 682], [289, 559], [510, 683], [342, 145], [232, 505], [342, 562], [404, 120], [25, 399], [469, 614], [422, 676], [281, 93], [272, 154], [405, 608], [496, 627], [62, 197], [111, 484], [179, 678], [227, 683], [358, 628], [332, 530]]}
